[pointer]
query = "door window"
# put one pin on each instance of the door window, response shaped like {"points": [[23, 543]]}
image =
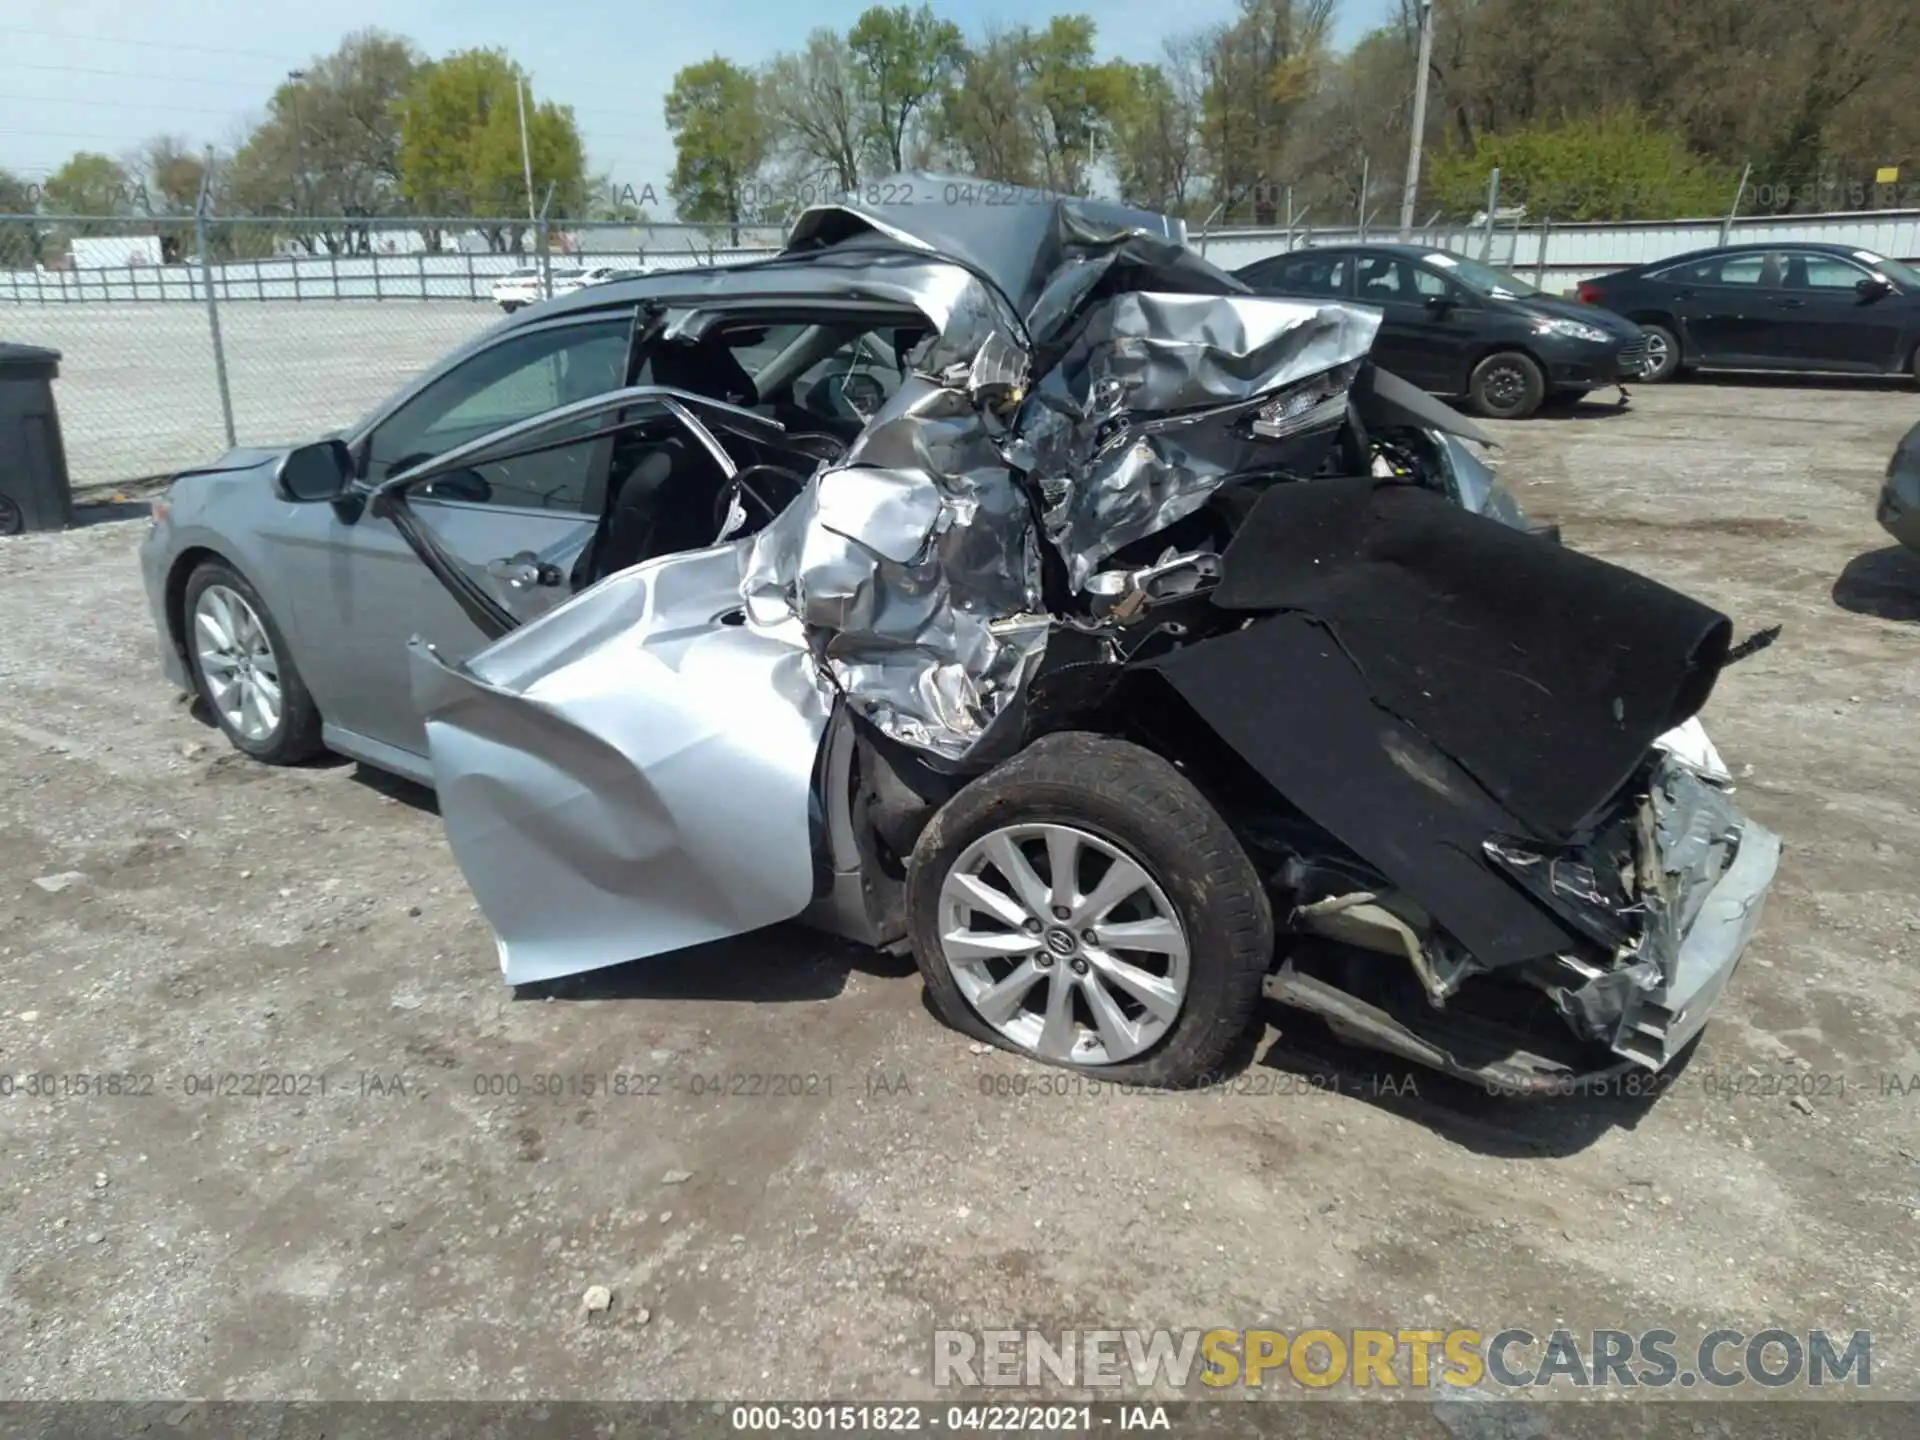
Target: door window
{"points": [[1759, 271], [1385, 280], [522, 376], [1815, 271], [1312, 275]]}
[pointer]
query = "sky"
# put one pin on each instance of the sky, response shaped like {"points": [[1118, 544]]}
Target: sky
{"points": [[105, 75]]}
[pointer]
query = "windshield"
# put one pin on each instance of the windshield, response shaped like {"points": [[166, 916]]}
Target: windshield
{"points": [[1494, 283]]}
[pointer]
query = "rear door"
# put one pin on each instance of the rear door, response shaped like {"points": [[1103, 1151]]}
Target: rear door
{"points": [[1732, 317], [1827, 324]]}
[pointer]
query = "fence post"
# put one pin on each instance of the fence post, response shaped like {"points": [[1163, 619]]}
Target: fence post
{"points": [[333, 265], [213, 308], [473, 289], [1540, 259], [540, 239], [1493, 204], [1726, 225], [375, 258], [423, 276]]}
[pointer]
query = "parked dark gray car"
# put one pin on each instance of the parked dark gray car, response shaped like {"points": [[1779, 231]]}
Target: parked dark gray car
{"points": [[1899, 508], [1455, 326], [1796, 307]]}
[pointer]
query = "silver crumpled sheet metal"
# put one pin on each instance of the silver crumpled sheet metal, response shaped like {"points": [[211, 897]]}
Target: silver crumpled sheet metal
{"points": [[914, 564], [1135, 428], [904, 562]]}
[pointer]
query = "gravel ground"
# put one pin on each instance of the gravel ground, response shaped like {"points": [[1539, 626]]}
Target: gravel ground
{"points": [[417, 1231], [138, 394]]}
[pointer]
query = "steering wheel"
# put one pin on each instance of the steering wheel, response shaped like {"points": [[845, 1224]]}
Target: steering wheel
{"points": [[753, 499]]}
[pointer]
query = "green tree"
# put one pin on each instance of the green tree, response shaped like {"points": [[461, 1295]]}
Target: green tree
{"points": [[1262, 72], [22, 241], [720, 142], [460, 150], [1615, 166], [904, 59], [90, 184], [1155, 139], [817, 107], [330, 144], [981, 121]]}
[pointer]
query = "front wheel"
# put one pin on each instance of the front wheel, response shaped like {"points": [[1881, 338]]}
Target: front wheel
{"points": [[243, 671], [1663, 354], [1507, 386], [1084, 905]]}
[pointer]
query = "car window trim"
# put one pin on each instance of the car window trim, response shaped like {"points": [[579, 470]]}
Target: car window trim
{"points": [[391, 500], [573, 319], [1861, 272]]}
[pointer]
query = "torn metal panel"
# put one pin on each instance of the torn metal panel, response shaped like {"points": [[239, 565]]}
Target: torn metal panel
{"points": [[628, 775], [1145, 416]]}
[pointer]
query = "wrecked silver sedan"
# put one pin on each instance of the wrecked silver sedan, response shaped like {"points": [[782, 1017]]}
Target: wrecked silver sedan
{"points": [[1125, 645]]}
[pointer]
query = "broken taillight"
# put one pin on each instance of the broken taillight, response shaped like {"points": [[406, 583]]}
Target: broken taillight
{"points": [[1590, 293]]}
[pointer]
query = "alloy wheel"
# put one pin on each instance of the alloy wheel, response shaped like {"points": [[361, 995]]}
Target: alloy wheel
{"points": [[237, 659], [1063, 943], [1657, 353]]}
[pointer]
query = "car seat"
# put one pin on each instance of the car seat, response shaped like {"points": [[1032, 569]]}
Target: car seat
{"points": [[662, 506]]}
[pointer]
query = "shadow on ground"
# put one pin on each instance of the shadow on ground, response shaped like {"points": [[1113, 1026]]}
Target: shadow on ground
{"points": [[783, 964], [1884, 583], [1473, 1117]]}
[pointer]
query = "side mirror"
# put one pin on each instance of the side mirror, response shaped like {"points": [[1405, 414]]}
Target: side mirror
{"points": [[321, 471], [468, 485], [1873, 287], [1439, 304]]}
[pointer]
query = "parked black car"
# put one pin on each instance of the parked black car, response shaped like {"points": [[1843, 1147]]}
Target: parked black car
{"points": [[1771, 307], [1458, 327], [1899, 509]]}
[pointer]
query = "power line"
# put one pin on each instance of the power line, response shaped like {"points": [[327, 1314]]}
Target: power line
{"points": [[114, 104], [144, 44], [132, 74]]}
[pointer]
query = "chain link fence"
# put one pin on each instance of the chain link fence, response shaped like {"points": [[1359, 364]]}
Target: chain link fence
{"points": [[183, 336]]}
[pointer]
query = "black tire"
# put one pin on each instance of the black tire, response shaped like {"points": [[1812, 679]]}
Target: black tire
{"points": [[13, 520], [509, 306], [1663, 354], [297, 736], [1507, 385], [1137, 802]]}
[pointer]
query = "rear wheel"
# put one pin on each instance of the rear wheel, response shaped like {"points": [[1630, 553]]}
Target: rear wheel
{"points": [[1663, 354], [13, 520], [1507, 386], [243, 671], [1084, 905]]}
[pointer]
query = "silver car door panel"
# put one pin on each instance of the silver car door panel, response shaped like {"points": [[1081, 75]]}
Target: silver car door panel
{"points": [[628, 775]]}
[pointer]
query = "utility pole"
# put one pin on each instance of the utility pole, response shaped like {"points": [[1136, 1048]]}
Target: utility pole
{"points": [[526, 155], [299, 77], [1419, 121]]}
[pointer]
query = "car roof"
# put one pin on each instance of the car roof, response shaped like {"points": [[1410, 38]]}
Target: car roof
{"points": [[1747, 247]]}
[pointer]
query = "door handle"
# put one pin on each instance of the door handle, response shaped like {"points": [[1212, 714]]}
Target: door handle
{"points": [[524, 571], [1789, 304]]}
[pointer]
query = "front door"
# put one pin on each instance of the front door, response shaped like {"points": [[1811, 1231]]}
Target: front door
{"points": [[1429, 326], [527, 517], [1827, 324]]}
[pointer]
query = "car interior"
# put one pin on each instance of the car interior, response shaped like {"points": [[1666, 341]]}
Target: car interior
{"points": [[667, 493]]}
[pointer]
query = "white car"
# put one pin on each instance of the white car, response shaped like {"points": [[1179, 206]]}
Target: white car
{"points": [[524, 287]]}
